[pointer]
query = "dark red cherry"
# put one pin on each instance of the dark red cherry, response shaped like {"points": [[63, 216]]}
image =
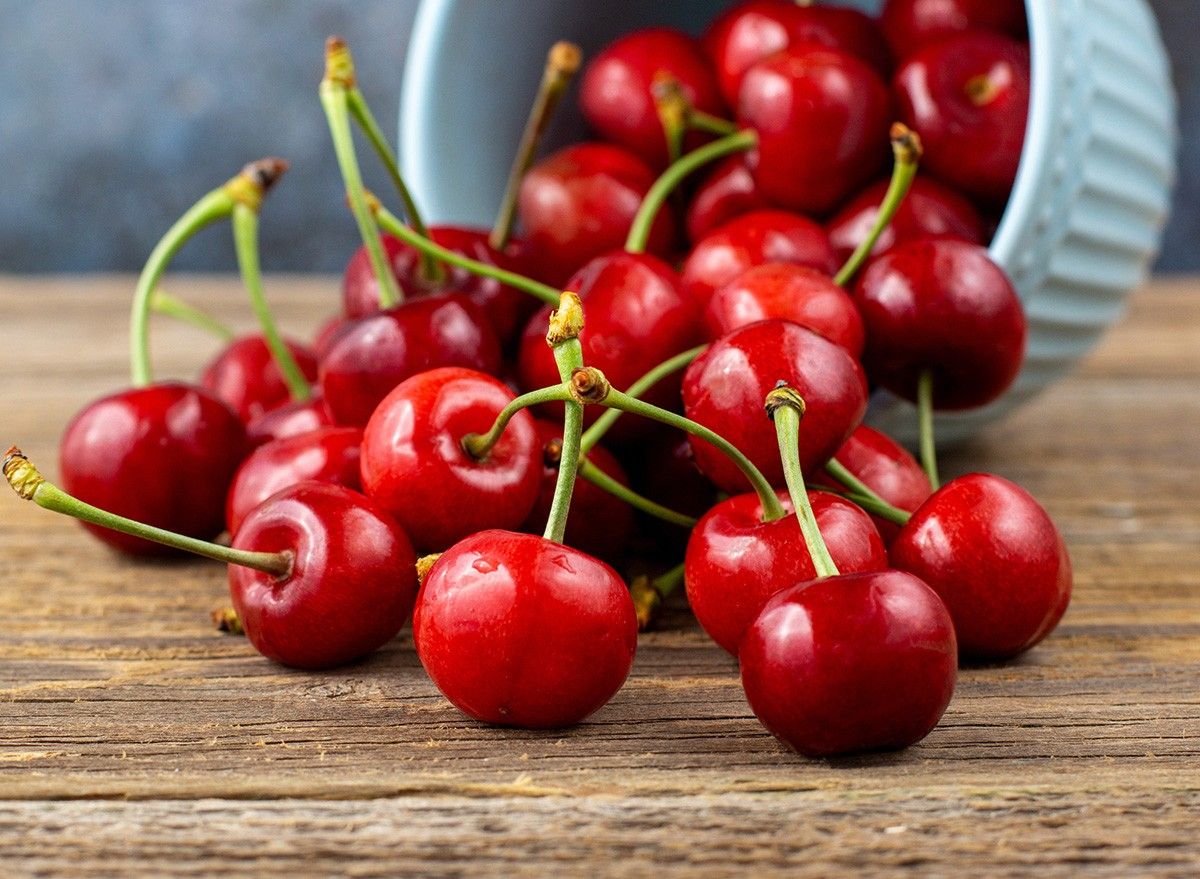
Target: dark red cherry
{"points": [[735, 561], [162, 454], [911, 25], [726, 193], [665, 470], [724, 389], [616, 92], [860, 662], [521, 631], [968, 98], [995, 557], [929, 209], [799, 294], [751, 240], [941, 305], [580, 202], [414, 464], [352, 582], [327, 455], [599, 524], [822, 118], [327, 332], [245, 376], [376, 353], [290, 419]]}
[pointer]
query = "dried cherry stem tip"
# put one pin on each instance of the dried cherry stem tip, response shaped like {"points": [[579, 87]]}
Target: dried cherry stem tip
{"points": [[648, 595], [425, 564], [673, 110], [225, 619], [567, 320]]}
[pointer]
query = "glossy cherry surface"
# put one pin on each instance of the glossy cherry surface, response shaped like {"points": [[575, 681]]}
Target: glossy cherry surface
{"points": [[290, 419], [751, 240], [799, 294], [245, 376], [352, 582], [911, 25], [727, 192], [163, 454], [520, 631], [968, 98], [327, 455], [735, 561], [414, 464], [326, 333], [996, 559], [860, 662], [941, 305], [724, 389], [822, 118], [376, 353]]}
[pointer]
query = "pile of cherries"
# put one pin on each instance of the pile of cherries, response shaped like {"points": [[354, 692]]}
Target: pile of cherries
{"points": [[687, 289]]}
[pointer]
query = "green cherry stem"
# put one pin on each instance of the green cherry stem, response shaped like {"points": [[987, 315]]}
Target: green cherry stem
{"points": [[786, 408], [600, 479], [479, 445], [857, 490], [925, 424], [876, 505], [673, 108], [639, 232], [27, 482], [906, 148], [173, 307], [566, 322], [648, 594], [698, 120]]}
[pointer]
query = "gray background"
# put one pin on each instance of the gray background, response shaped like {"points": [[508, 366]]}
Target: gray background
{"points": [[115, 115]]}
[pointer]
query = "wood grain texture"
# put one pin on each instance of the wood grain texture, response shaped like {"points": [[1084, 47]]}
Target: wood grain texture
{"points": [[134, 740]]}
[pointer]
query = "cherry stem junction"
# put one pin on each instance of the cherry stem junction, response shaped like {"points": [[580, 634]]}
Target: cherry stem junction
{"points": [[925, 425], [480, 445], [164, 303]]}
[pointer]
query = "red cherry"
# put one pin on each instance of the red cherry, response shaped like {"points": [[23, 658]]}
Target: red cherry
{"points": [[580, 202], [968, 98], [414, 464], [245, 376], [929, 209], [799, 294], [665, 469], [376, 353], [941, 305], [162, 454], [290, 419], [861, 662], [327, 333], [750, 240], [518, 630], [822, 118], [726, 193], [995, 557], [911, 25], [599, 524], [351, 585], [724, 388], [735, 561], [329, 455], [616, 93]]}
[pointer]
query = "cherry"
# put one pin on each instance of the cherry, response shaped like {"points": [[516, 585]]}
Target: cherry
{"points": [[750, 240], [329, 455], [736, 561], [799, 294], [326, 333], [724, 389], [666, 471], [415, 466], [911, 25], [616, 92], [376, 353], [518, 630], [929, 209], [822, 119], [996, 559], [941, 307], [726, 193], [580, 202], [968, 97], [246, 377], [163, 453], [858, 662], [290, 419]]}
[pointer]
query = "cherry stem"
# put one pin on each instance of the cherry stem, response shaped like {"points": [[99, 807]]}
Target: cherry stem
{"points": [[698, 120], [673, 109], [906, 148], [27, 482], [862, 494], [648, 594], [786, 408], [604, 423], [164, 303], [562, 62], [339, 75], [639, 232], [566, 323], [245, 240], [925, 425], [480, 445], [603, 481], [392, 225]]}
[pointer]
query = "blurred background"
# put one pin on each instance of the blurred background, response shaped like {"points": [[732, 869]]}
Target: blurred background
{"points": [[115, 115]]}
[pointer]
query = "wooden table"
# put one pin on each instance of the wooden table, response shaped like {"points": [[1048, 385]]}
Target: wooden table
{"points": [[135, 740]]}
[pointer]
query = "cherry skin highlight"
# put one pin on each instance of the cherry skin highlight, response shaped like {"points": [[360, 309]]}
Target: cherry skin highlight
{"points": [[726, 193], [911, 25], [996, 559], [163, 455], [858, 662], [352, 582], [517, 630], [414, 464], [245, 376], [290, 419]]}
